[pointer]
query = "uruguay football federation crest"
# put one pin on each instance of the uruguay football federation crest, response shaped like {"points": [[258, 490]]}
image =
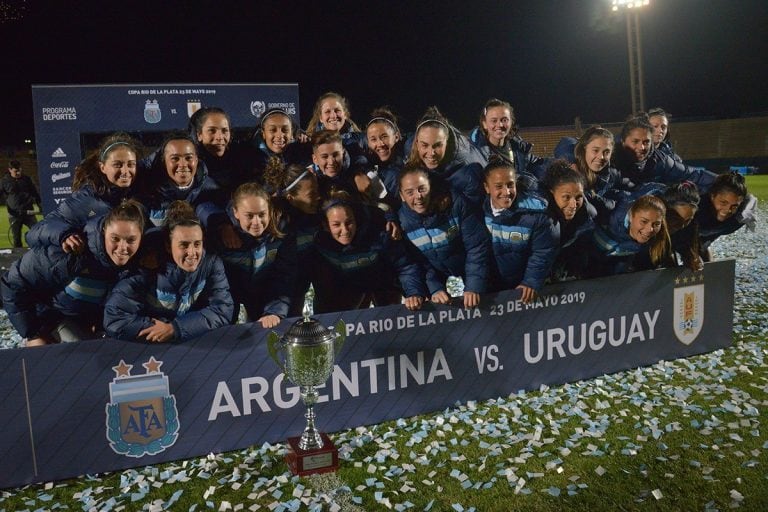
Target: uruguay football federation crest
{"points": [[152, 112], [258, 108], [193, 106], [142, 418], [689, 307]]}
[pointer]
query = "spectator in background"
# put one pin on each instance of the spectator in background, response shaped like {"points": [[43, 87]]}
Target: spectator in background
{"points": [[21, 198]]}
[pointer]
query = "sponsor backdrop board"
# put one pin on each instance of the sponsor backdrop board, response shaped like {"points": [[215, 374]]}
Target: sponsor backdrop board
{"points": [[63, 113], [104, 405]]}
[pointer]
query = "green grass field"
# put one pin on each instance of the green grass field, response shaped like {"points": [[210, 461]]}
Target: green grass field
{"points": [[758, 186]]}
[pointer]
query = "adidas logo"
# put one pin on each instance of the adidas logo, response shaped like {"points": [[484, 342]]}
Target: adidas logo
{"points": [[59, 153]]}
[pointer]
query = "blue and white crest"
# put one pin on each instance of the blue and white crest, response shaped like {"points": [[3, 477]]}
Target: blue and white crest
{"points": [[688, 310], [152, 112], [258, 108], [142, 418]]}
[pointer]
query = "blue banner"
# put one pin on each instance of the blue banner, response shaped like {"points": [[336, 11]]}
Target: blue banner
{"points": [[105, 405], [64, 114]]}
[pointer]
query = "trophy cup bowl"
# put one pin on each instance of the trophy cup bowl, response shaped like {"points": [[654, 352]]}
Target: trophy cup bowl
{"points": [[306, 353]]}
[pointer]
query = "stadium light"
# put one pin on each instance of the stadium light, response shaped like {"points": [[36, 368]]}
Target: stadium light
{"points": [[634, 49]]}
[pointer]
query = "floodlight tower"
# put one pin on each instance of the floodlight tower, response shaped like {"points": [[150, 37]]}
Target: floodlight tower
{"points": [[632, 9]]}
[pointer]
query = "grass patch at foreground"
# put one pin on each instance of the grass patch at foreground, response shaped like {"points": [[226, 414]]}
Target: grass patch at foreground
{"points": [[680, 435]]}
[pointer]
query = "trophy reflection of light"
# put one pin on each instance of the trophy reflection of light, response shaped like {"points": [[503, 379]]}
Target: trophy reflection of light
{"points": [[309, 351]]}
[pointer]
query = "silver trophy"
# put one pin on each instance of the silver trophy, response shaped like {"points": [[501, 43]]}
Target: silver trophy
{"points": [[306, 353]]}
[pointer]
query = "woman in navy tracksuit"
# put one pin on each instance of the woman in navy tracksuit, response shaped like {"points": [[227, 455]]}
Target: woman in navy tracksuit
{"points": [[186, 296], [101, 182], [360, 263], [563, 187], [176, 175], [335, 167], [52, 296], [639, 162], [448, 156], [385, 156], [276, 134], [228, 163], [261, 264], [725, 209], [682, 201], [297, 196], [636, 225], [659, 119], [591, 155], [497, 136], [448, 232], [331, 112], [525, 239]]}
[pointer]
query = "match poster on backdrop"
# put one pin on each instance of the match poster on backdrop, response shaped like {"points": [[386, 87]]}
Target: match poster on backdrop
{"points": [[105, 405], [71, 119]]}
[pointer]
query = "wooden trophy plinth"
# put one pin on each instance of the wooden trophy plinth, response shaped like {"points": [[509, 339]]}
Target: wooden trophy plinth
{"points": [[308, 462]]}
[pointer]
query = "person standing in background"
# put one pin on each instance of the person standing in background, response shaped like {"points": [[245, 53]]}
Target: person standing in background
{"points": [[21, 198]]}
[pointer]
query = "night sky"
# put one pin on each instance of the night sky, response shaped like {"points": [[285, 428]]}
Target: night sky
{"points": [[553, 60]]}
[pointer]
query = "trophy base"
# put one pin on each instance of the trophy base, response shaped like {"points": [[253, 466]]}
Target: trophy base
{"points": [[307, 462]]}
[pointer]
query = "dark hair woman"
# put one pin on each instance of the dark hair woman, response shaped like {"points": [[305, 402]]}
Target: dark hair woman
{"points": [[51, 295]]}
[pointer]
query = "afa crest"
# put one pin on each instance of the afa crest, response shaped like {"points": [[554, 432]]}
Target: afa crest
{"points": [[142, 418], [688, 307], [152, 112]]}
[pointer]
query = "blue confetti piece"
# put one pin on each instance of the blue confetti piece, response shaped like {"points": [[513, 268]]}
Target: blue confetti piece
{"points": [[429, 506], [554, 491], [457, 507]]}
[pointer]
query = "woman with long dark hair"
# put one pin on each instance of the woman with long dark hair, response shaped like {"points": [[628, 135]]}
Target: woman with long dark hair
{"points": [[53, 295], [186, 296], [102, 181]]}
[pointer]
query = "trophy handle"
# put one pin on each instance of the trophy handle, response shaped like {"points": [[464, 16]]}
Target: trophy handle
{"points": [[341, 332], [273, 339]]}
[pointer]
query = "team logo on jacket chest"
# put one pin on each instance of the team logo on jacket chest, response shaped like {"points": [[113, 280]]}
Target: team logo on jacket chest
{"points": [[152, 112], [142, 418], [688, 307], [511, 234]]}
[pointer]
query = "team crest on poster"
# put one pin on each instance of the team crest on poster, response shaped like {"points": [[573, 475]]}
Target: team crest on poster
{"points": [[193, 106], [152, 112], [258, 108], [688, 307], [142, 418]]}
